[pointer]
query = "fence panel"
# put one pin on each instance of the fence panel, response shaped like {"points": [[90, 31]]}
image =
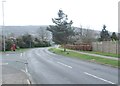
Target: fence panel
{"points": [[105, 46]]}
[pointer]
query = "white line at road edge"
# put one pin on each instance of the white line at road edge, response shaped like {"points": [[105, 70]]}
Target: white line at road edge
{"points": [[23, 70], [26, 72], [99, 78], [64, 64], [28, 81]]}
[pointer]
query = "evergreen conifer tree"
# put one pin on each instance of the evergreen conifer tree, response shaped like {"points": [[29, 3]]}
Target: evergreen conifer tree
{"points": [[62, 30]]}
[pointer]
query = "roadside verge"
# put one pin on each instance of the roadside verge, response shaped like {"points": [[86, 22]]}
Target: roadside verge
{"points": [[96, 59]]}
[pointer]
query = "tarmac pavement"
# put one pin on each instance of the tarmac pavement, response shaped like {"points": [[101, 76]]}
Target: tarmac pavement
{"points": [[12, 66], [12, 75]]}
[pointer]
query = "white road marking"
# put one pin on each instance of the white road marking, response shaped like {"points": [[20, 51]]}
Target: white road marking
{"points": [[21, 54], [24, 54], [26, 68], [27, 75], [28, 81], [23, 70], [99, 78], [26, 72], [64, 64], [3, 63], [37, 53], [7, 54]]}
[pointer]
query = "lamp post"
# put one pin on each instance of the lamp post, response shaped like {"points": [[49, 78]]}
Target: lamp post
{"points": [[3, 24]]}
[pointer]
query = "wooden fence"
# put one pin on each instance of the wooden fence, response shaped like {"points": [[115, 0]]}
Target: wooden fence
{"points": [[106, 46]]}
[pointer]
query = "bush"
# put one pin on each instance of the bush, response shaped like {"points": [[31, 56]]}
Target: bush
{"points": [[8, 44], [42, 44]]}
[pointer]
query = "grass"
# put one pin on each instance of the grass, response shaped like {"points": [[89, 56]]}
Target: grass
{"points": [[22, 50], [101, 53], [110, 62]]}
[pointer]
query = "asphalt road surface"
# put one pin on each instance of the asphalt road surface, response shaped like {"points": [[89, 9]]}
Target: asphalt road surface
{"points": [[12, 66], [48, 68]]}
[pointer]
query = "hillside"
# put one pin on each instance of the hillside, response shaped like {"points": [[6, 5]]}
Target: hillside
{"points": [[20, 30]]}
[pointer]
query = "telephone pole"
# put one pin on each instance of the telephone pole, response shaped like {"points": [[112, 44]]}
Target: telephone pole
{"points": [[3, 25]]}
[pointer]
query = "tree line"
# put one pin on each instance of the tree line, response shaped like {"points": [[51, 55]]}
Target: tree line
{"points": [[63, 32], [105, 36], [27, 41]]}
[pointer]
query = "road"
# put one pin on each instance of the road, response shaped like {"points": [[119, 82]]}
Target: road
{"points": [[48, 68], [12, 66]]}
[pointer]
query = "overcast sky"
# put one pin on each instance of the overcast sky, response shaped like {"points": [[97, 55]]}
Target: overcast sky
{"points": [[88, 13]]}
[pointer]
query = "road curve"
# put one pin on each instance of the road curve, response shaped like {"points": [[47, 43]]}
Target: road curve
{"points": [[48, 68]]}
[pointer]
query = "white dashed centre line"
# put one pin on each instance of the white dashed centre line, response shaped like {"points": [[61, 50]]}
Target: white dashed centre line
{"points": [[99, 78], [7, 54], [64, 64]]}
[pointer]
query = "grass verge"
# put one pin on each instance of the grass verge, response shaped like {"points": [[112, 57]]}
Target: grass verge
{"points": [[113, 63], [99, 53]]}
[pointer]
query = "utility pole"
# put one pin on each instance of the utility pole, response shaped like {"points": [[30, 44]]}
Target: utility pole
{"points": [[3, 26]]}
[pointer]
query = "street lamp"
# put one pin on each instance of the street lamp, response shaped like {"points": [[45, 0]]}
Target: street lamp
{"points": [[3, 24]]}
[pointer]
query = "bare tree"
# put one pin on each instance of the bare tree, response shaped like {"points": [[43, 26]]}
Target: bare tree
{"points": [[88, 36], [84, 35], [43, 34]]}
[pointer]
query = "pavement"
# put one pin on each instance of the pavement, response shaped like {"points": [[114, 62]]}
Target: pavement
{"points": [[108, 57], [13, 76], [48, 68], [13, 69]]}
